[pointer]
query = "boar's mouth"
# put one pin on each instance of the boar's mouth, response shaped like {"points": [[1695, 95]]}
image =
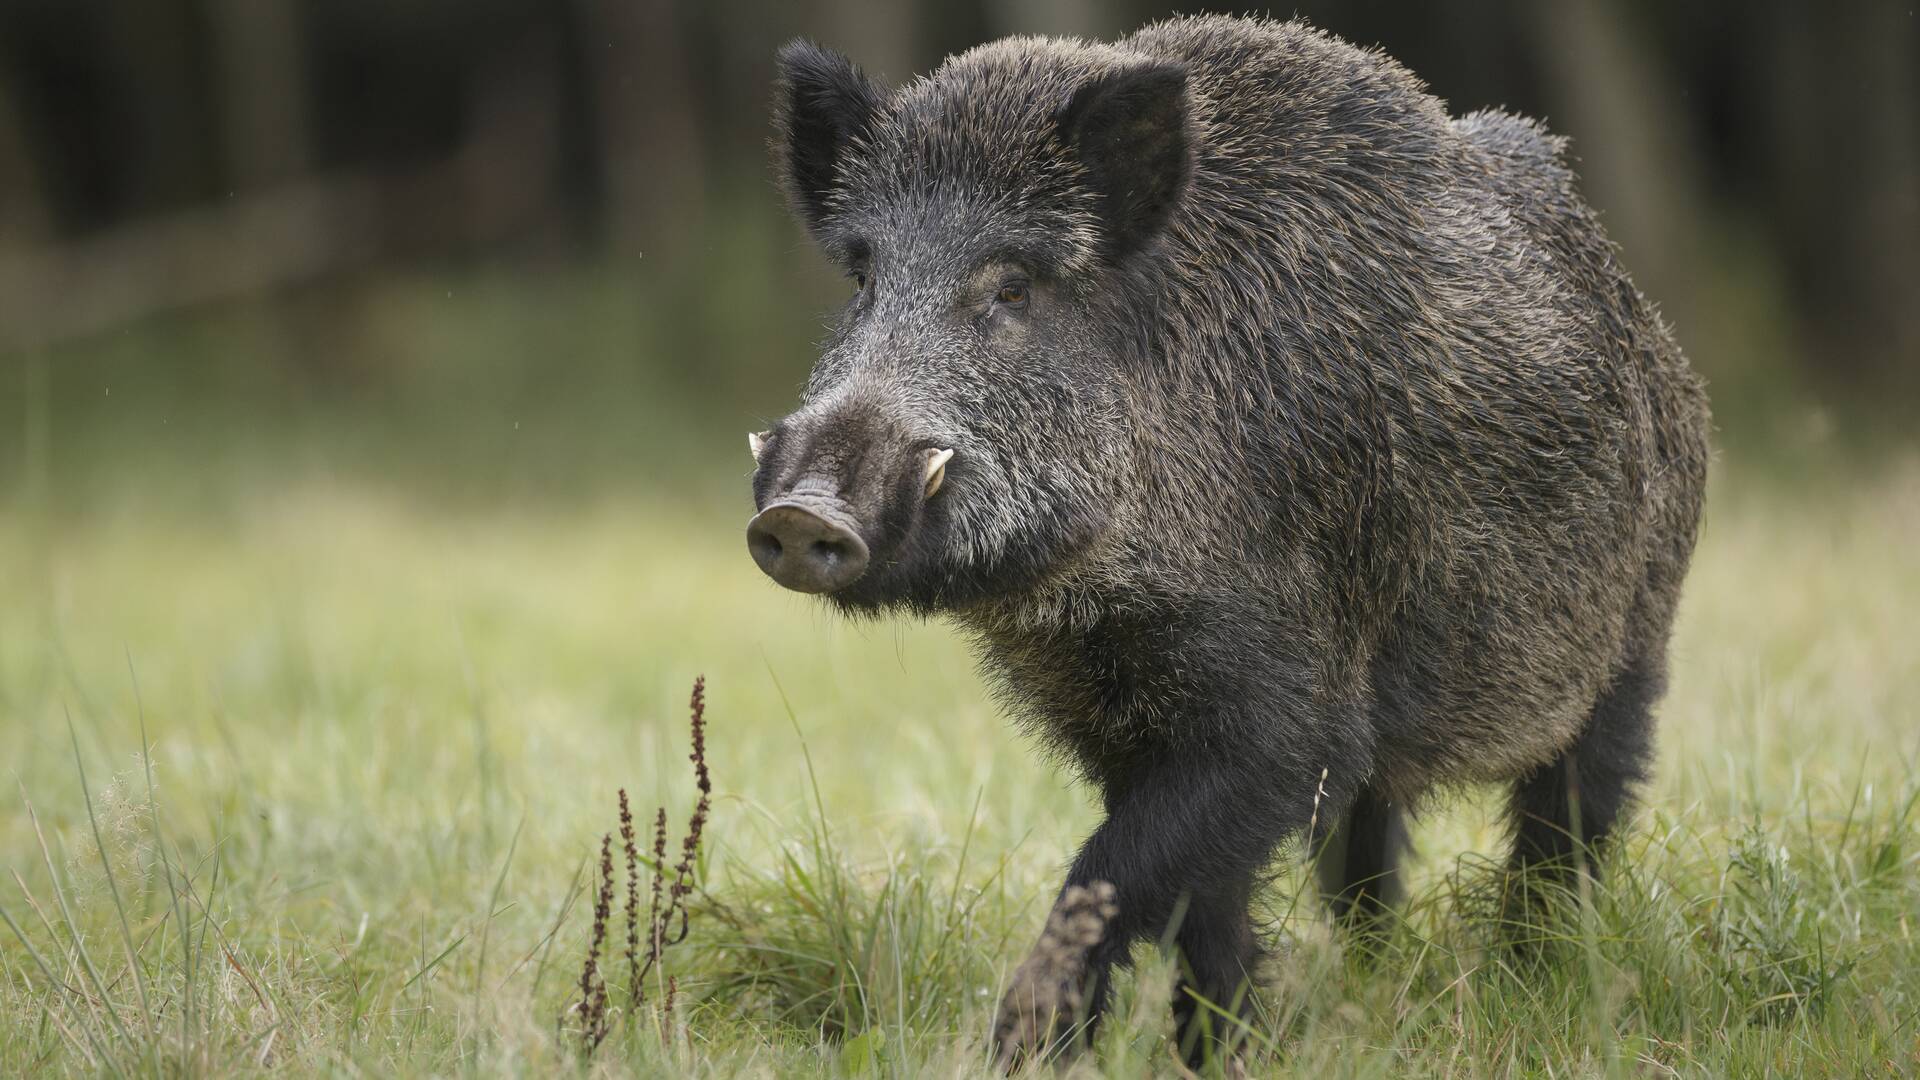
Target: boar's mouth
{"points": [[809, 538]]}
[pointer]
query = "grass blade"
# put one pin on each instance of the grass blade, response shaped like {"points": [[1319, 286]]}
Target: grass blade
{"points": [[73, 928], [166, 863], [57, 985], [113, 886], [493, 903]]}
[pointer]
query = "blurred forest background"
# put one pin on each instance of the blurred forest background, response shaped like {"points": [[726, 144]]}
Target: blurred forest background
{"points": [[497, 245]]}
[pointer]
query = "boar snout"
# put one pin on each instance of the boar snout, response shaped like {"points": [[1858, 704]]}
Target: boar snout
{"points": [[835, 499], [802, 550]]}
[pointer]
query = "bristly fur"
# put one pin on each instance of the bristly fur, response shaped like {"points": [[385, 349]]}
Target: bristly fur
{"points": [[1337, 438]]}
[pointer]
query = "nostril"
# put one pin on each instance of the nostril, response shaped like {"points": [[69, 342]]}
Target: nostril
{"points": [[765, 544], [829, 551]]}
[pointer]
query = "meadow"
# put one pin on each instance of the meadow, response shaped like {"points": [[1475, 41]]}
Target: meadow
{"points": [[313, 732]]}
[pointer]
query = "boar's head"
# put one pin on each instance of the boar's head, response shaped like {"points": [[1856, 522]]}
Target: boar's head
{"points": [[967, 428]]}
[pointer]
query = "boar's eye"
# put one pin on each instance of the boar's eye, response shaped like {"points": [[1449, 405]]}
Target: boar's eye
{"points": [[1013, 294], [859, 277]]}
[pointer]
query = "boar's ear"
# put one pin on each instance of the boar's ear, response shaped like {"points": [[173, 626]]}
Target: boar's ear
{"points": [[1130, 131], [822, 104]]}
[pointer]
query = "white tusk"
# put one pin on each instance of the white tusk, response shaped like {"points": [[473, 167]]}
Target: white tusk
{"points": [[936, 469], [756, 442]]}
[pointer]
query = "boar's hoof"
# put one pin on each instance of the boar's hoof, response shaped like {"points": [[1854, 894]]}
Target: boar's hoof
{"points": [[1048, 994]]}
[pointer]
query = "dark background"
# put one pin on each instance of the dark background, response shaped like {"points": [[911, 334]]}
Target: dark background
{"points": [[499, 246]]}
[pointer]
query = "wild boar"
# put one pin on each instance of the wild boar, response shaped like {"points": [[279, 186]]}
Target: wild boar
{"points": [[1286, 446]]}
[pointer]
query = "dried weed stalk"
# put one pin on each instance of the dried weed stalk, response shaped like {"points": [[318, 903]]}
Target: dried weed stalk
{"points": [[667, 915]]}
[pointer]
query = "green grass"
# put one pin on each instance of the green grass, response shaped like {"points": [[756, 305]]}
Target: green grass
{"points": [[314, 722], [386, 737]]}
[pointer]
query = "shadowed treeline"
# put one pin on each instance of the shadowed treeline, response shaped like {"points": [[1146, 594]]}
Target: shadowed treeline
{"points": [[298, 157]]}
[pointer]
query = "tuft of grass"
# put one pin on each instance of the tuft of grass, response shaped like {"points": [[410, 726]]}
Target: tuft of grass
{"points": [[112, 1013], [891, 957], [1768, 944]]}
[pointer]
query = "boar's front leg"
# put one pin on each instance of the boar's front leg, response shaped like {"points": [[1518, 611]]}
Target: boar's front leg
{"points": [[1184, 839], [1054, 985]]}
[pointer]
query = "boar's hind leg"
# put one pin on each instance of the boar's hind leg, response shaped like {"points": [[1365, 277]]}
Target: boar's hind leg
{"points": [[1359, 863], [1584, 792]]}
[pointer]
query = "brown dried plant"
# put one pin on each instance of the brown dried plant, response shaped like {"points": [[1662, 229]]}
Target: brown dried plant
{"points": [[667, 917], [592, 1006]]}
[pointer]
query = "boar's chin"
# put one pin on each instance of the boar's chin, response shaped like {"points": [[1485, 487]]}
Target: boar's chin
{"points": [[918, 580], [917, 586], [926, 584]]}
